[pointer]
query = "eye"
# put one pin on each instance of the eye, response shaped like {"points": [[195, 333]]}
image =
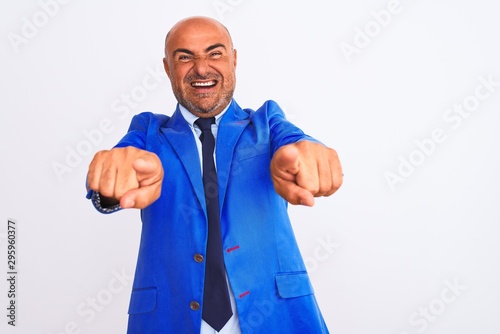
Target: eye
{"points": [[184, 58], [215, 55]]}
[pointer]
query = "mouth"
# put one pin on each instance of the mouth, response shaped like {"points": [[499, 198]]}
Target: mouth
{"points": [[204, 84]]}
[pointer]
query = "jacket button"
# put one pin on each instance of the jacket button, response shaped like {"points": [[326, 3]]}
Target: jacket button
{"points": [[198, 258], [195, 306]]}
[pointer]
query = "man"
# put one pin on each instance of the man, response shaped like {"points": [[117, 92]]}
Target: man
{"points": [[217, 251]]}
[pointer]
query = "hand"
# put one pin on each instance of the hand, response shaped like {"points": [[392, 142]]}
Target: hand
{"points": [[305, 170], [130, 176]]}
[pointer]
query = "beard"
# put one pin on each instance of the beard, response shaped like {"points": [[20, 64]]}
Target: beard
{"points": [[205, 103]]}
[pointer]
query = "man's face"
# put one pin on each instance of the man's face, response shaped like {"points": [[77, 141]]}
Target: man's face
{"points": [[201, 64]]}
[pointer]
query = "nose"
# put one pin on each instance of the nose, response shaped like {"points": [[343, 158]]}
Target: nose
{"points": [[201, 66]]}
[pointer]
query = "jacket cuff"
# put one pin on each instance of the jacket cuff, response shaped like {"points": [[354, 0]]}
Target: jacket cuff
{"points": [[95, 198]]}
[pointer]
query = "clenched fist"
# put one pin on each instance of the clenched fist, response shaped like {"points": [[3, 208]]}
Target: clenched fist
{"points": [[305, 170], [128, 175]]}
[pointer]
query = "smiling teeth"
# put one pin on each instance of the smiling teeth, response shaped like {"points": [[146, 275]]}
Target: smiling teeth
{"points": [[203, 84]]}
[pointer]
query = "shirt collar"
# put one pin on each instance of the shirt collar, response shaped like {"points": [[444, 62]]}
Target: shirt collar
{"points": [[190, 118]]}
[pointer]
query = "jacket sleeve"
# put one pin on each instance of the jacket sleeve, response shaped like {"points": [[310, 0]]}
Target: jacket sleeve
{"points": [[282, 131], [137, 131]]}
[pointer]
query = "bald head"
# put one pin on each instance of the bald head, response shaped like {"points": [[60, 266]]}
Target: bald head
{"points": [[200, 62], [196, 22]]}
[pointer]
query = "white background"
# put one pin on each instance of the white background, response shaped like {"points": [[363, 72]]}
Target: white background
{"points": [[379, 255]]}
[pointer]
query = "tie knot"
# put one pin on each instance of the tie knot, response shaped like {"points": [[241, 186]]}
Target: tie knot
{"points": [[205, 123]]}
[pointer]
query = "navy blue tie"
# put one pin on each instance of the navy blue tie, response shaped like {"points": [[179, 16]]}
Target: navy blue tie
{"points": [[216, 304]]}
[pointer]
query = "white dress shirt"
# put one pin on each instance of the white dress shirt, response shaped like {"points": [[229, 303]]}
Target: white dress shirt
{"points": [[233, 325]]}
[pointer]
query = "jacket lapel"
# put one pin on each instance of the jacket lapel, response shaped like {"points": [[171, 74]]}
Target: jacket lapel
{"points": [[230, 128], [180, 137]]}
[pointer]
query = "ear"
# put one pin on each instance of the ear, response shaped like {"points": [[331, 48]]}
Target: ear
{"points": [[235, 57], [165, 66]]}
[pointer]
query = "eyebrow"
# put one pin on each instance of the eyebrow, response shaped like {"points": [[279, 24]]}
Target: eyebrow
{"points": [[189, 52], [215, 46]]}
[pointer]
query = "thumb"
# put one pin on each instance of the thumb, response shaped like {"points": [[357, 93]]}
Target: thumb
{"points": [[286, 160], [149, 174], [146, 169], [140, 198]]}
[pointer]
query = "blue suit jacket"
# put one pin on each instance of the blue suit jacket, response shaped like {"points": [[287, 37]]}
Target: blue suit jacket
{"points": [[264, 267]]}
